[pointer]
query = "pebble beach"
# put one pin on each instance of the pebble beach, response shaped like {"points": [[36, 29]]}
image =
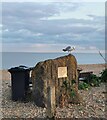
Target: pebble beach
{"points": [[94, 104]]}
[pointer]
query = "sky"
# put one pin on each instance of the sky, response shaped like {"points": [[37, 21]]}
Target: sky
{"points": [[52, 26]]}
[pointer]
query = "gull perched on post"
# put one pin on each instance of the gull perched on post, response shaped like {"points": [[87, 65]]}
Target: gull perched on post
{"points": [[68, 49]]}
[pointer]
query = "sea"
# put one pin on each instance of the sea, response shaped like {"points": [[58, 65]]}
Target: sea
{"points": [[13, 59]]}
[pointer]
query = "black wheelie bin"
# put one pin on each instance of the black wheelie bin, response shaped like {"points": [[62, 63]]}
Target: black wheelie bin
{"points": [[20, 77]]}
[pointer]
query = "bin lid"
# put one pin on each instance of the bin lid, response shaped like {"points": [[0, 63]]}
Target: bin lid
{"points": [[20, 68]]}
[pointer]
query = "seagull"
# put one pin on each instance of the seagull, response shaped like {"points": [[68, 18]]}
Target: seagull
{"points": [[69, 49]]}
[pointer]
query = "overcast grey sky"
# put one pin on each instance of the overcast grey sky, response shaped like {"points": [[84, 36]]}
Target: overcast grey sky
{"points": [[49, 27]]}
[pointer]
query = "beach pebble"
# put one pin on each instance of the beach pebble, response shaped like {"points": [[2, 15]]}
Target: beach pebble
{"points": [[93, 106]]}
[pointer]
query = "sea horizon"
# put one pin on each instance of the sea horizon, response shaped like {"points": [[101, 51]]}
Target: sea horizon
{"points": [[30, 59]]}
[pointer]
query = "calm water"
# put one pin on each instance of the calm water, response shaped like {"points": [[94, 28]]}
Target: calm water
{"points": [[12, 59]]}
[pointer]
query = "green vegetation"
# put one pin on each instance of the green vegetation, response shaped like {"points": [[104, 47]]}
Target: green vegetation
{"points": [[83, 86], [72, 93], [104, 75], [70, 89], [94, 81], [65, 85], [73, 82]]}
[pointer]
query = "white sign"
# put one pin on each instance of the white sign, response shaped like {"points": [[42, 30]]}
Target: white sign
{"points": [[62, 72]]}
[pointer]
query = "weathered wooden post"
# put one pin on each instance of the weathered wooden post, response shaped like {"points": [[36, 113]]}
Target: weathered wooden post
{"points": [[50, 102]]}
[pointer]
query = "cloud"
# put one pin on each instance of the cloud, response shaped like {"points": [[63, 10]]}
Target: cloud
{"points": [[45, 48], [54, 31], [61, 1], [68, 6], [21, 11], [30, 23]]}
